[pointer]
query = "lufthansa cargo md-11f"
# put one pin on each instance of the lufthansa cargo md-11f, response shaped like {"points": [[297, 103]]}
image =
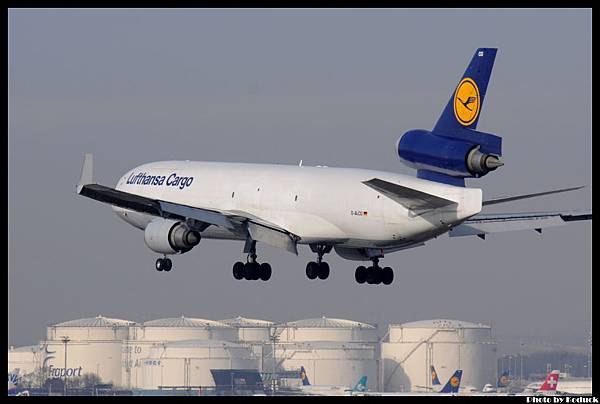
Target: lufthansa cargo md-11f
{"points": [[362, 214]]}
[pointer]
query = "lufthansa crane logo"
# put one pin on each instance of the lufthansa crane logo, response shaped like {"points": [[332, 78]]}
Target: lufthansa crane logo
{"points": [[433, 375], [454, 381], [466, 102]]}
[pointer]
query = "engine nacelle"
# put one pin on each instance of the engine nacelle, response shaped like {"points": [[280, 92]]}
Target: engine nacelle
{"points": [[422, 149], [170, 237]]}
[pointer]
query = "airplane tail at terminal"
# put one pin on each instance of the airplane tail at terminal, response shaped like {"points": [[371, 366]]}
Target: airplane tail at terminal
{"points": [[303, 377], [434, 377], [453, 383], [361, 385], [551, 381], [503, 379]]}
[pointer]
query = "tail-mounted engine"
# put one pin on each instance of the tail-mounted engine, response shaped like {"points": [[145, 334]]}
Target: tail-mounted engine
{"points": [[170, 237], [474, 155]]}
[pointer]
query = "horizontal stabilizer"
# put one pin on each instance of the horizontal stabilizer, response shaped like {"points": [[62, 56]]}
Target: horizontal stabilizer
{"points": [[483, 224], [411, 199], [517, 197]]}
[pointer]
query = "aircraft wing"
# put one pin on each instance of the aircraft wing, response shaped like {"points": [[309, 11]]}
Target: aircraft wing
{"points": [[239, 222], [482, 224]]}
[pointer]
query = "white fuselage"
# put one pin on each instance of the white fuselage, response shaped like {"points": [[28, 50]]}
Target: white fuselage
{"points": [[314, 203]]}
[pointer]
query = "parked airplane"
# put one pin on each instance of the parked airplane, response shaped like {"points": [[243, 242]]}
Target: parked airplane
{"points": [[435, 381], [362, 214], [545, 388], [325, 390], [552, 385], [451, 387]]}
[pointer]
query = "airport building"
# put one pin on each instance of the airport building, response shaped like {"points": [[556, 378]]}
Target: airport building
{"points": [[412, 348], [181, 351]]}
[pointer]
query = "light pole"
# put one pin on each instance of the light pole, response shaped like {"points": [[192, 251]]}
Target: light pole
{"points": [[521, 375], [65, 340]]}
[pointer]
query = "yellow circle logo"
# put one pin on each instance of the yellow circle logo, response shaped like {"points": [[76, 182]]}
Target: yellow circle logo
{"points": [[454, 381], [433, 375], [466, 102]]}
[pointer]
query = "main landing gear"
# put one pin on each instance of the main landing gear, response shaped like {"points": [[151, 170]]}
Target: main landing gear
{"points": [[252, 270], [320, 268], [164, 264], [374, 275]]}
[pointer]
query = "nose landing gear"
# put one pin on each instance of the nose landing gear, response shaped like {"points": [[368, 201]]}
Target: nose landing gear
{"points": [[164, 264]]}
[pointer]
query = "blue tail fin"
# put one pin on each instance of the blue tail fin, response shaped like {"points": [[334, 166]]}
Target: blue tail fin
{"points": [[503, 380], [453, 383], [434, 377], [361, 385], [454, 150], [464, 106], [303, 377]]}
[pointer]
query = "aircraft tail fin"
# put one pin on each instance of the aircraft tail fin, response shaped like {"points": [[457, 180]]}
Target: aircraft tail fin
{"points": [[503, 379], [434, 377], [453, 383], [361, 385], [551, 381], [464, 106], [303, 377]]}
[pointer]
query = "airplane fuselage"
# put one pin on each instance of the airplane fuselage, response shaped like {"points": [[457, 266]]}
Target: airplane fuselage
{"points": [[315, 203]]}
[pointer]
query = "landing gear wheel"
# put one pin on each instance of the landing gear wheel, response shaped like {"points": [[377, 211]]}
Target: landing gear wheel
{"points": [[361, 274], [312, 270], [323, 272], [238, 270], [387, 275], [159, 264], [168, 264], [372, 275], [251, 271], [265, 271]]}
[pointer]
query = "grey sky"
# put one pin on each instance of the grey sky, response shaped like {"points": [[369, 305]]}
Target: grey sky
{"points": [[333, 87]]}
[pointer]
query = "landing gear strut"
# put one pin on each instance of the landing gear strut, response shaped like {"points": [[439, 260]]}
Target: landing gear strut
{"points": [[252, 270], [164, 264], [320, 268], [374, 275]]}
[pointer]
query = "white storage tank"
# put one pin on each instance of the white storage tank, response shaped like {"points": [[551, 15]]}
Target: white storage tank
{"points": [[326, 329], [146, 335], [250, 329], [333, 351], [93, 345], [254, 333], [24, 360], [448, 345], [188, 363]]}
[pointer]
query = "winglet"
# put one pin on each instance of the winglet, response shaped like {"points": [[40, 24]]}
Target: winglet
{"points": [[87, 172]]}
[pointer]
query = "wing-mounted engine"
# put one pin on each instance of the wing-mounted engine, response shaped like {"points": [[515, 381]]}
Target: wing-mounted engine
{"points": [[454, 150], [170, 237]]}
